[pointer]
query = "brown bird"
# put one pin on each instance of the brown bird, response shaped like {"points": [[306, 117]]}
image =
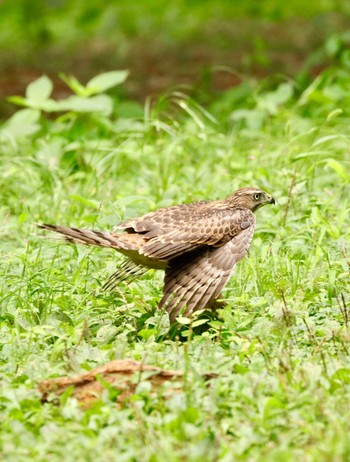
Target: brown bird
{"points": [[198, 245]]}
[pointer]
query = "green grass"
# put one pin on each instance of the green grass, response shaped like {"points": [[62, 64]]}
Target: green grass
{"points": [[37, 22], [280, 346]]}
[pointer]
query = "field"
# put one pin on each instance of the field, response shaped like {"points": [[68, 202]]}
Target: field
{"points": [[280, 345]]}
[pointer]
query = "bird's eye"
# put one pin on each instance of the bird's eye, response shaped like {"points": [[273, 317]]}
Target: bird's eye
{"points": [[257, 196]]}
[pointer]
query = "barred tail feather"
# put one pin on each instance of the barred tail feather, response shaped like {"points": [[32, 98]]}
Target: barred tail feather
{"points": [[86, 236]]}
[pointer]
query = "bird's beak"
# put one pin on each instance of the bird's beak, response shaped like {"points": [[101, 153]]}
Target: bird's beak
{"points": [[271, 200]]}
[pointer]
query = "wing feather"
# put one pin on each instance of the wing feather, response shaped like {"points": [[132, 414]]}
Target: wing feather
{"points": [[193, 281], [213, 228], [128, 271]]}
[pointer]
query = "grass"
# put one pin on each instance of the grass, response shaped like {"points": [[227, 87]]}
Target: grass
{"points": [[65, 23], [281, 344]]}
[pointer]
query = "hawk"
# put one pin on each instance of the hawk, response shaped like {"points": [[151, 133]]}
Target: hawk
{"points": [[198, 246]]}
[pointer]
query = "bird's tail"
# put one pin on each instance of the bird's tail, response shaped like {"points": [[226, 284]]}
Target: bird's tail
{"points": [[87, 237]]}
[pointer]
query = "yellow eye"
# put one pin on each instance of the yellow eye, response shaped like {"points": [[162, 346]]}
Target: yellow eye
{"points": [[257, 196]]}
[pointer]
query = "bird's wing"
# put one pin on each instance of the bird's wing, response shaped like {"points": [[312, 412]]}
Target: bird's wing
{"points": [[128, 271], [194, 280], [165, 217], [182, 233]]}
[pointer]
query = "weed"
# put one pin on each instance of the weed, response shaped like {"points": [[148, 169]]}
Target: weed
{"points": [[280, 345]]}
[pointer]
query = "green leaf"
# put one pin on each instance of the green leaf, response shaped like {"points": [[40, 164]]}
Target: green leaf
{"points": [[272, 407], [306, 155], [101, 104], [199, 322], [324, 139], [89, 203], [63, 317], [23, 123], [345, 58], [333, 45], [342, 375], [18, 100], [272, 100], [129, 110], [127, 125], [22, 218], [103, 82], [40, 89], [240, 369], [338, 168], [47, 105], [333, 114], [253, 118], [74, 84], [310, 92], [106, 334]]}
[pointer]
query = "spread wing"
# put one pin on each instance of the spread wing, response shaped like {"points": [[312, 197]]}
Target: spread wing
{"points": [[194, 280], [174, 231]]}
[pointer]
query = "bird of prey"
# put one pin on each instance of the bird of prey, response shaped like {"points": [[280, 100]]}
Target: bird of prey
{"points": [[197, 245]]}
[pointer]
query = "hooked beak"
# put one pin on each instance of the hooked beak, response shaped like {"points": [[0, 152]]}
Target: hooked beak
{"points": [[271, 200]]}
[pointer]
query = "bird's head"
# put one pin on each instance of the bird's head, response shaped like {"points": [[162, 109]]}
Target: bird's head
{"points": [[250, 198]]}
